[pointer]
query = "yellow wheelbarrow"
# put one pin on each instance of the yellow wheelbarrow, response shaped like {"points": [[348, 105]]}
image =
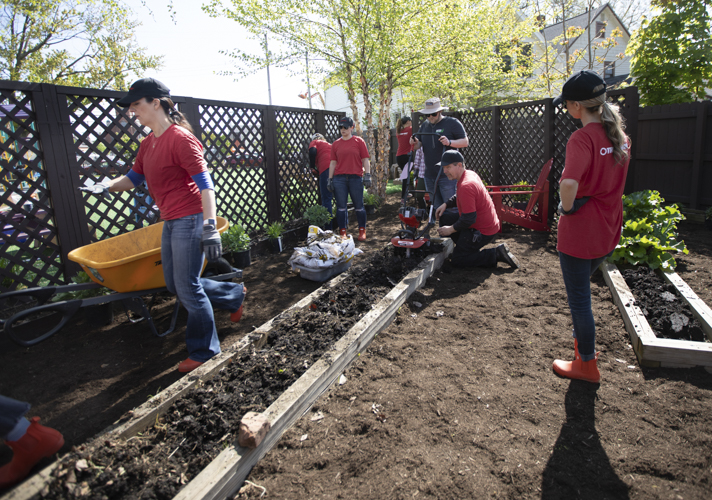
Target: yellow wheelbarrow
{"points": [[128, 264]]}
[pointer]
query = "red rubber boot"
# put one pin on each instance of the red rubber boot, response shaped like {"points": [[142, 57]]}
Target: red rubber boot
{"points": [[362, 234], [37, 443], [579, 370], [237, 315], [342, 231]]}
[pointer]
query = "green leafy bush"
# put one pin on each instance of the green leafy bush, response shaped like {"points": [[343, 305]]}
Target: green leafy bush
{"points": [[708, 213], [317, 215], [371, 199], [649, 234], [519, 198], [275, 230], [235, 239]]}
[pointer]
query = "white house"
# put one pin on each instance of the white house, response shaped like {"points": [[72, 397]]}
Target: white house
{"points": [[597, 25]]}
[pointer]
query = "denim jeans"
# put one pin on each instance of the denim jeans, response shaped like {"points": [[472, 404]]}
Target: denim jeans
{"points": [[326, 195], [577, 278], [345, 185], [11, 411], [468, 245], [182, 264], [445, 190]]}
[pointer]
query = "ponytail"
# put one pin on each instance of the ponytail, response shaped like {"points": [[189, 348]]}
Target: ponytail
{"points": [[173, 114], [613, 125]]}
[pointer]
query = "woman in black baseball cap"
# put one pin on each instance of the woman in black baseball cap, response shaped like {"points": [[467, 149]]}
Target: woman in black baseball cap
{"points": [[170, 160], [591, 208]]}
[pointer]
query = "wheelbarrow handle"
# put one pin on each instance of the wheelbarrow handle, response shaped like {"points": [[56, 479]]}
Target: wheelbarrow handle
{"points": [[67, 308], [44, 293]]}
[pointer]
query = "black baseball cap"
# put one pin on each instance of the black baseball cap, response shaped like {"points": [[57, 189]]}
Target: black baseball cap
{"points": [[582, 86], [145, 87], [451, 156], [346, 121]]}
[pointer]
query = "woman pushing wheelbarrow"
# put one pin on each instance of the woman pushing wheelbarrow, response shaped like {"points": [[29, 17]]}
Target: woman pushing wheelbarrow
{"points": [[171, 162]]}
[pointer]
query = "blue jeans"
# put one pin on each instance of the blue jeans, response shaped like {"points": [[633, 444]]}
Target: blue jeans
{"points": [[445, 190], [345, 185], [326, 195], [11, 411], [577, 278], [468, 245], [182, 264]]}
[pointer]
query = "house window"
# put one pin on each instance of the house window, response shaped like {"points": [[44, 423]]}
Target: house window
{"points": [[600, 29], [609, 69]]}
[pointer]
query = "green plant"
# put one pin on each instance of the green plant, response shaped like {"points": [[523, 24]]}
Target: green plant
{"points": [[649, 234], [235, 239], [81, 278], [317, 215], [521, 197], [275, 230], [371, 199], [708, 213]]}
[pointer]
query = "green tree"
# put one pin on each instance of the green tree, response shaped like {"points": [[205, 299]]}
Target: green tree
{"points": [[671, 54], [84, 43], [376, 46]]}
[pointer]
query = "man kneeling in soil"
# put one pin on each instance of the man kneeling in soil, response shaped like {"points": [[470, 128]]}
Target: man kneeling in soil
{"points": [[476, 223]]}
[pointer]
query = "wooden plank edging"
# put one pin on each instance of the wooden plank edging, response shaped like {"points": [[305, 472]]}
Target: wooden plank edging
{"points": [[650, 350], [223, 477]]}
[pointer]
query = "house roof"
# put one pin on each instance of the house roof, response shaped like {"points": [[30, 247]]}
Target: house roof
{"points": [[552, 31]]}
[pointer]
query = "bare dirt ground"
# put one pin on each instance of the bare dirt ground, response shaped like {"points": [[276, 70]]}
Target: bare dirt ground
{"points": [[456, 399]]}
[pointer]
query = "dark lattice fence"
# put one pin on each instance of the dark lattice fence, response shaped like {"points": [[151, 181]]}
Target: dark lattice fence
{"points": [[54, 140]]}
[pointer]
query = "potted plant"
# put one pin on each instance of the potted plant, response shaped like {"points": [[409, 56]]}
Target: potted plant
{"points": [[708, 218], [274, 233], [370, 202], [318, 215], [520, 200], [236, 246]]}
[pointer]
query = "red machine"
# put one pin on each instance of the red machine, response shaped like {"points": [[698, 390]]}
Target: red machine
{"points": [[411, 219]]}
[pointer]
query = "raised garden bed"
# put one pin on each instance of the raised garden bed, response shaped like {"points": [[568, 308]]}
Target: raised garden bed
{"points": [[196, 418], [651, 350]]}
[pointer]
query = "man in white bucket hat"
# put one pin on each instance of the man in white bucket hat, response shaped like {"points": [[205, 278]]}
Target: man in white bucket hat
{"points": [[448, 133]]}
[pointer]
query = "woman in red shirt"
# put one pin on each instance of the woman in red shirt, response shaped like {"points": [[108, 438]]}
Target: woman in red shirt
{"points": [[404, 131], [591, 208]]}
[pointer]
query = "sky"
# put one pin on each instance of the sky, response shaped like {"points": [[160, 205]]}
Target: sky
{"points": [[191, 59]]}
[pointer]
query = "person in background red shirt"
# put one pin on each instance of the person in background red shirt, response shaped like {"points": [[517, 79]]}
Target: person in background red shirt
{"points": [[591, 208], [404, 131], [476, 223], [170, 160], [319, 158], [349, 173]]}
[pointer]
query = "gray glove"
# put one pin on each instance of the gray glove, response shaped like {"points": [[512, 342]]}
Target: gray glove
{"points": [[367, 180], [99, 189], [578, 203], [330, 184], [210, 243]]}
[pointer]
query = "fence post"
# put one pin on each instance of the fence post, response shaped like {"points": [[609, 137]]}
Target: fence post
{"points": [[192, 114], [632, 105], [698, 153], [495, 145], [271, 164], [549, 131], [68, 206], [321, 122]]}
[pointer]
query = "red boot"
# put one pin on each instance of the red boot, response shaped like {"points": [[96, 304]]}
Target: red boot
{"points": [[237, 315], [579, 370], [37, 443], [342, 231], [362, 234]]}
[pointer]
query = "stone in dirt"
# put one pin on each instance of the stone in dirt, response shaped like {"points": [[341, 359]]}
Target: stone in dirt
{"points": [[253, 429]]}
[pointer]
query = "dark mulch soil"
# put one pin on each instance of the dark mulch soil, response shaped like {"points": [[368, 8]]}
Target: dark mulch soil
{"points": [[456, 399], [665, 309]]}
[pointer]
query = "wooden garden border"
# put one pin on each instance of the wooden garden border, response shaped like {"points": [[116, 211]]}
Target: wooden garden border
{"points": [[650, 350], [226, 473]]}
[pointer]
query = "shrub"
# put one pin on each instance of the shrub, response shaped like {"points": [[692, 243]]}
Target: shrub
{"points": [[521, 197], [275, 230], [81, 278], [317, 215], [371, 199], [708, 213], [235, 239], [649, 234]]}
